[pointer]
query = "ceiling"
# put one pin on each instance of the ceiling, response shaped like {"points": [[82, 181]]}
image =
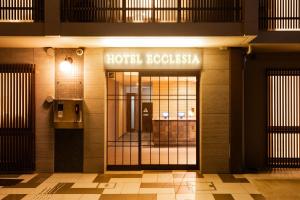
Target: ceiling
{"points": [[276, 47], [98, 42], [94, 42]]}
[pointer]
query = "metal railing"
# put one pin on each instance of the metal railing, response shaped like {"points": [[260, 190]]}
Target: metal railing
{"points": [[151, 11], [22, 10], [279, 15]]}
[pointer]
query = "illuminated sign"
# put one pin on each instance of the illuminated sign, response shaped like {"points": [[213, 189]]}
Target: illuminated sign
{"points": [[152, 59]]}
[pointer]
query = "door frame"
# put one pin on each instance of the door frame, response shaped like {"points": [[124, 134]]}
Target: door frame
{"points": [[140, 166]]}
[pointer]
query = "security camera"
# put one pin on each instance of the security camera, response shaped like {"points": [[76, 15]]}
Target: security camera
{"points": [[50, 51], [79, 52]]}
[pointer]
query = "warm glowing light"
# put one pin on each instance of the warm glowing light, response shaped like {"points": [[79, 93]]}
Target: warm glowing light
{"points": [[152, 42], [66, 66], [16, 21], [137, 59], [286, 15], [106, 42]]}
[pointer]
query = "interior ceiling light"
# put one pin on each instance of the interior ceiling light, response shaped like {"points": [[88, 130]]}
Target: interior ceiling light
{"points": [[97, 42], [152, 42]]}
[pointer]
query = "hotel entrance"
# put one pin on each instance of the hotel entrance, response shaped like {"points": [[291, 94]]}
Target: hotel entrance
{"points": [[152, 120]]}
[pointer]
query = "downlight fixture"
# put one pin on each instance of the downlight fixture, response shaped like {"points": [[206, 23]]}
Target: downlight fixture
{"points": [[79, 52]]}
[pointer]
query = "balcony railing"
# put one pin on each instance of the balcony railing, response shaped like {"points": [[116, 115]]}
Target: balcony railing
{"points": [[279, 15], [22, 10], [151, 11]]}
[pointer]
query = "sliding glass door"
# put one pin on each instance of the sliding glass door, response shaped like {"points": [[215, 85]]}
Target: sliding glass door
{"points": [[152, 120], [169, 120]]}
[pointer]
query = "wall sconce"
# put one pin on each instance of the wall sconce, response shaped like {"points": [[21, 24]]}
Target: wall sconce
{"points": [[66, 66]]}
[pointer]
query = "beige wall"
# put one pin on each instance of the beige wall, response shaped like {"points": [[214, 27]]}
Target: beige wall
{"points": [[214, 111], [214, 108], [44, 87], [94, 111]]}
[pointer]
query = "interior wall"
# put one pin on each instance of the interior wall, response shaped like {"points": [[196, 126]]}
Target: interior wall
{"points": [[173, 106], [121, 112], [111, 121], [256, 103]]}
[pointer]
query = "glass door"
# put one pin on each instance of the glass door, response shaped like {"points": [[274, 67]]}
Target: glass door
{"points": [[152, 120], [122, 120], [169, 121]]}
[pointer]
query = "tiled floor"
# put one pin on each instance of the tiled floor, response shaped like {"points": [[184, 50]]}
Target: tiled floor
{"points": [[143, 185]]}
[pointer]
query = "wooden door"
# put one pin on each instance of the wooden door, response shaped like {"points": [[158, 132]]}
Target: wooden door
{"points": [[147, 110], [17, 118]]}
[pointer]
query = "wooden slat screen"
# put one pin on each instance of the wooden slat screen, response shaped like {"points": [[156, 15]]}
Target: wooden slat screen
{"points": [[151, 11], [17, 117], [279, 15], [22, 10], [283, 118]]}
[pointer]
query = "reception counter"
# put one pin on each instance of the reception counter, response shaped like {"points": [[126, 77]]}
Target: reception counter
{"points": [[174, 132]]}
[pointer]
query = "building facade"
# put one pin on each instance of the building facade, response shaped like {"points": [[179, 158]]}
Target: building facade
{"points": [[94, 85]]}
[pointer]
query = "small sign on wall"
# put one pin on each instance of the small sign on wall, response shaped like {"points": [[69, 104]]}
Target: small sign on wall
{"points": [[152, 58]]}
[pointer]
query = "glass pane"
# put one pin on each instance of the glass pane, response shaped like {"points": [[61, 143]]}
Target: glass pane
{"points": [[182, 86], [122, 118], [182, 155], [173, 86], [134, 82], [155, 86], [164, 86], [111, 83], [154, 155], [119, 153], [127, 153], [146, 155], [111, 123], [192, 81], [120, 84], [135, 155], [172, 132], [167, 110], [111, 153], [164, 155], [182, 132]]}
